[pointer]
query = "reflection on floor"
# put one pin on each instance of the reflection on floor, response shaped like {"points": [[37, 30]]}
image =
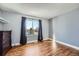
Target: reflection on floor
{"points": [[45, 48]]}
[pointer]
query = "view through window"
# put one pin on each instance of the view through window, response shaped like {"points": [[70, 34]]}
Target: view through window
{"points": [[32, 27]]}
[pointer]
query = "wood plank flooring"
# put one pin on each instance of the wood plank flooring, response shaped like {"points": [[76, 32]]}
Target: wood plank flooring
{"points": [[45, 48]]}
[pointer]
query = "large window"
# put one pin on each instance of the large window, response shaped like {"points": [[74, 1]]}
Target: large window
{"points": [[32, 27]]}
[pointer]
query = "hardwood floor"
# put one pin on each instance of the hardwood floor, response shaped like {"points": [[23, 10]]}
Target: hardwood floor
{"points": [[45, 48]]}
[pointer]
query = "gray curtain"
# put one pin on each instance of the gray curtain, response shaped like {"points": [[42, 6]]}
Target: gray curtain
{"points": [[23, 38], [40, 36]]}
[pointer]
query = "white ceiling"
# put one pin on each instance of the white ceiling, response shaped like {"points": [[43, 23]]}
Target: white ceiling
{"points": [[42, 10]]}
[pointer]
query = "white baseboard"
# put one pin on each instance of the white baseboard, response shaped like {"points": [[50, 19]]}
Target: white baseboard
{"points": [[32, 41], [72, 46], [36, 40], [27, 42], [15, 44]]}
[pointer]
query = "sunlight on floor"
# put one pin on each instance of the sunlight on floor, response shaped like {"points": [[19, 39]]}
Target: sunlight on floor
{"points": [[54, 44], [32, 51]]}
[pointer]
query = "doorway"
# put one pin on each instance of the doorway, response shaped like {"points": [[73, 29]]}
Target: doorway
{"points": [[32, 26]]}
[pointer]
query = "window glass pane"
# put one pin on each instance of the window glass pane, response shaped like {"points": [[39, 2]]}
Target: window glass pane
{"points": [[28, 26], [32, 27], [35, 26]]}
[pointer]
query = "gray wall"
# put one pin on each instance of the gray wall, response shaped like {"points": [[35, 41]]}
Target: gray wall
{"points": [[15, 25], [0, 23], [50, 28], [1, 26], [66, 28]]}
